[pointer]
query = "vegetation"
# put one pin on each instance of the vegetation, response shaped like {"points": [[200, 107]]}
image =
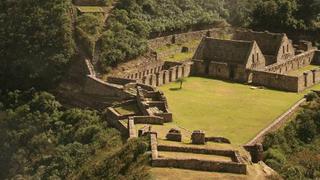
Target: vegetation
{"points": [[133, 21], [294, 150], [36, 43], [287, 15], [225, 109], [40, 140]]}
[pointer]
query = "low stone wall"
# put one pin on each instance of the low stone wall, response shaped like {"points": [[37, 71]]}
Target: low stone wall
{"points": [[167, 117], [227, 153], [169, 75], [119, 80], [88, 3], [202, 165], [148, 120], [96, 86]]}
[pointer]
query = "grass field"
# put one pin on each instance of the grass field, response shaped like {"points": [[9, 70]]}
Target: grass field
{"points": [[226, 109]]}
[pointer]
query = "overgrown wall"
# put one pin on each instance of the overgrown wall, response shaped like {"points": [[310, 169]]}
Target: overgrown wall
{"points": [[189, 36]]}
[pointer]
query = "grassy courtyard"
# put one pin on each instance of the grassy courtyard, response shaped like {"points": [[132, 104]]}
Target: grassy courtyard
{"points": [[231, 110]]}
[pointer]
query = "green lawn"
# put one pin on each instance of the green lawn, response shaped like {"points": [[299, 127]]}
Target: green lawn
{"points": [[181, 56], [226, 109]]}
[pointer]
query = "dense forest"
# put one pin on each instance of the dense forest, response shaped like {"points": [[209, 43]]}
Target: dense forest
{"points": [[294, 150], [41, 139]]}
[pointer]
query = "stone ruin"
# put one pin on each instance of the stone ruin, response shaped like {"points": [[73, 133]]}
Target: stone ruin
{"points": [[174, 135], [260, 58], [198, 137]]}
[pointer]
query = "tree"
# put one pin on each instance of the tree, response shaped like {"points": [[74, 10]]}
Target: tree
{"points": [[36, 43], [181, 81]]}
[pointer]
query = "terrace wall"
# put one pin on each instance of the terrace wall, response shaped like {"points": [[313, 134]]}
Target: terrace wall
{"points": [[189, 36], [203, 165], [96, 86], [148, 120], [111, 117]]}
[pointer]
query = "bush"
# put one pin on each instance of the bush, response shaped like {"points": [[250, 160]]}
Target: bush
{"points": [[311, 96]]}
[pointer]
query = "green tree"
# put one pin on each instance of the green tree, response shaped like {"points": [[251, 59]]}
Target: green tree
{"points": [[36, 43]]}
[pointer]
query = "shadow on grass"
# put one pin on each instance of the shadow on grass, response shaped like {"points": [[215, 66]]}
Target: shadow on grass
{"points": [[175, 89]]}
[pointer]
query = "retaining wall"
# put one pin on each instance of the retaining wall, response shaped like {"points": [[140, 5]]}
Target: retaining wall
{"points": [[189, 36], [148, 120], [202, 165], [111, 118], [96, 86], [227, 153]]}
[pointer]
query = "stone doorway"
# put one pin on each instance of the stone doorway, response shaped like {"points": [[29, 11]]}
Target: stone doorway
{"points": [[232, 72]]}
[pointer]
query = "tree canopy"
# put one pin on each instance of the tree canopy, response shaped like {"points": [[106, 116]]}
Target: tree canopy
{"points": [[40, 140], [36, 42]]}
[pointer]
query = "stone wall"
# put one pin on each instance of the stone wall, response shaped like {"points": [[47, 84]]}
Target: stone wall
{"points": [[275, 81], [295, 63], [131, 128], [96, 86], [150, 69], [169, 75], [217, 152], [154, 145], [220, 70], [88, 3], [285, 82], [189, 36], [308, 79], [148, 120], [203, 165], [111, 117], [120, 81]]}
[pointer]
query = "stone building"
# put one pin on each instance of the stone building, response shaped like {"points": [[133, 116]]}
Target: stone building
{"points": [[227, 59], [260, 58], [276, 47]]}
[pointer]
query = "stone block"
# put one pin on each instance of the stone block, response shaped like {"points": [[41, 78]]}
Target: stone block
{"points": [[174, 135], [198, 137]]}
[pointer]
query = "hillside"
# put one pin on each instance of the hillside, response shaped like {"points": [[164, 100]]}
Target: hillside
{"points": [[106, 117]]}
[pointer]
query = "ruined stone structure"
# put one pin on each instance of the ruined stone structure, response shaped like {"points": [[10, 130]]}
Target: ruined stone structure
{"points": [[156, 74], [227, 59], [174, 135], [198, 137], [247, 58], [275, 47], [261, 58]]}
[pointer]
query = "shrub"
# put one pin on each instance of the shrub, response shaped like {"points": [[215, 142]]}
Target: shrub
{"points": [[311, 96]]}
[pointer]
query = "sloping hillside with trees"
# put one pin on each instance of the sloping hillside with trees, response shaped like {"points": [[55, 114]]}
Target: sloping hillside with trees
{"points": [[41, 140], [295, 150]]}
